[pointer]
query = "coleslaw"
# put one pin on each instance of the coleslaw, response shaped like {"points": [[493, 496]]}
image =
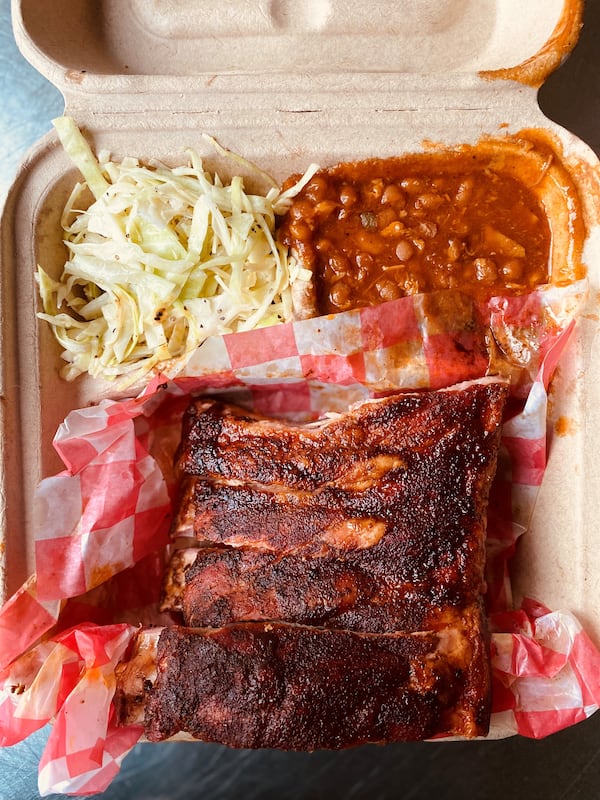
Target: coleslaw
{"points": [[162, 259]]}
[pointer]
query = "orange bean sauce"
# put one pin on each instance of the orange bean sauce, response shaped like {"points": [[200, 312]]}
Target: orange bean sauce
{"points": [[380, 229]]}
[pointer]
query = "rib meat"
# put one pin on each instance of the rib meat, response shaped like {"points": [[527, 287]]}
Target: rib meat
{"points": [[329, 577], [391, 540], [292, 687], [369, 591], [352, 451]]}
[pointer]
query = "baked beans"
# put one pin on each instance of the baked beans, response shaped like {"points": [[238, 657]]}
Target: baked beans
{"points": [[380, 229]]}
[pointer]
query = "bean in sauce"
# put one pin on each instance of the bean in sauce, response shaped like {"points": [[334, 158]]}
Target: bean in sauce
{"points": [[376, 230]]}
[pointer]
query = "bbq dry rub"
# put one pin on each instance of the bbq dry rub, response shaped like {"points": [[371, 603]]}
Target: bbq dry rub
{"points": [[358, 538], [374, 440], [292, 687]]}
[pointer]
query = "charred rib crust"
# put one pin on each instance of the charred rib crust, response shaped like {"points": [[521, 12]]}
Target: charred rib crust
{"points": [[301, 688], [222, 442], [336, 597]]}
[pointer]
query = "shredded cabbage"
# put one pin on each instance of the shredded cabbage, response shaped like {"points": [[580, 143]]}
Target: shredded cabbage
{"points": [[162, 259]]}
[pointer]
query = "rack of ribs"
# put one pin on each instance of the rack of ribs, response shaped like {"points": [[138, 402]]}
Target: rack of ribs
{"points": [[307, 557]]}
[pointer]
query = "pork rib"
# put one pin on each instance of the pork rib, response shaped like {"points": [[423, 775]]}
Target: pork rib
{"points": [[293, 687], [392, 540], [352, 450], [364, 591], [333, 593]]}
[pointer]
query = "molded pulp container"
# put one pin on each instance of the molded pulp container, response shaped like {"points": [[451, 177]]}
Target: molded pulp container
{"points": [[286, 83]]}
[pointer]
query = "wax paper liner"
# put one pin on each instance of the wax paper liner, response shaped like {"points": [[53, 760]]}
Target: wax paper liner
{"points": [[101, 525]]}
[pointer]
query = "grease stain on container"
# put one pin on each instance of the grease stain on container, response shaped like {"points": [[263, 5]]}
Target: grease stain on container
{"points": [[565, 426]]}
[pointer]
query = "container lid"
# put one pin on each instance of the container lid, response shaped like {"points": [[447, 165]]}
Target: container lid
{"points": [[182, 47]]}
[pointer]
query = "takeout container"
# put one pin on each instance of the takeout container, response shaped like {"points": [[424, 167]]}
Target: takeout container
{"points": [[284, 84]]}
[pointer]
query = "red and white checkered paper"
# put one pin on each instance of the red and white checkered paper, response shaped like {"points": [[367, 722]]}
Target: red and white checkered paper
{"points": [[102, 524]]}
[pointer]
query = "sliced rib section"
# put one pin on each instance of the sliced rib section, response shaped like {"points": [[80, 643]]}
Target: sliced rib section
{"points": [[391, 538], [293, 687], [351, 450]]}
